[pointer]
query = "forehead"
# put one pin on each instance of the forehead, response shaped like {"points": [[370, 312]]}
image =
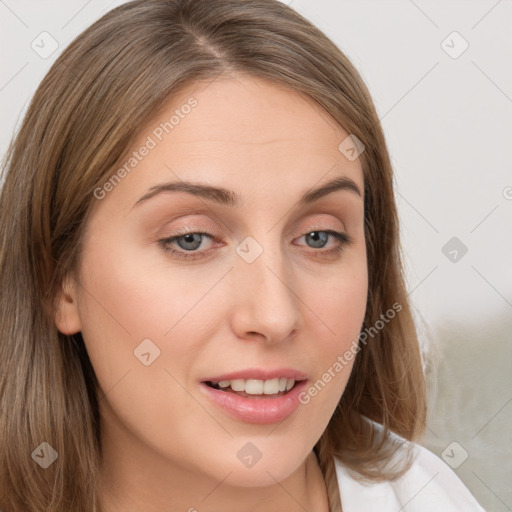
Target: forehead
{"points": [[248, 110], [244, 133]]}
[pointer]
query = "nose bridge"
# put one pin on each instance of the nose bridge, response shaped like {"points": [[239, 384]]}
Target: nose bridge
{"points": [[266, 301]]}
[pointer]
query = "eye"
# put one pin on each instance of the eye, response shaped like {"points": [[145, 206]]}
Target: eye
{"points": [[190, 241], [318, 239]]}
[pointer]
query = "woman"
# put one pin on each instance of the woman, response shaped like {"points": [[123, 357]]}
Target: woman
{"points": [[202, 305]]}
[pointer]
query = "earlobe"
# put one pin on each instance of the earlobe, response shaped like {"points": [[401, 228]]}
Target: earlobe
{"points": [[67, 318]]}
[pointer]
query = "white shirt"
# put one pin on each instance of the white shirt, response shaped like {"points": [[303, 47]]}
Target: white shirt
{"points": [[430, 485]]}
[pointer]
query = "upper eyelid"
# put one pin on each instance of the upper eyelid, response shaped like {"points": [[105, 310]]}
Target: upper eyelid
{"points": [[316, 224], [211, 234]]}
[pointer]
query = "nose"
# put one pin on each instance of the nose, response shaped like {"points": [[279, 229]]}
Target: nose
{"points": [[266, 304]]}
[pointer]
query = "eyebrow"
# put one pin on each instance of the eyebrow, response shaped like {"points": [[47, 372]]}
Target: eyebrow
{"points": [[229, 198]]}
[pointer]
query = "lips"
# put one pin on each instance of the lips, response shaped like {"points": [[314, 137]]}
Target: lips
{"points": [[261, 409], [256, 395]]}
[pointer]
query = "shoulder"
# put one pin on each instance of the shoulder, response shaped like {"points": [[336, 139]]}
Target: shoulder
{"points": [[429, 484]]}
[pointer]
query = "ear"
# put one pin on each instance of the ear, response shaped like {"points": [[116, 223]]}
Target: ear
{"points": [[67, 318]]}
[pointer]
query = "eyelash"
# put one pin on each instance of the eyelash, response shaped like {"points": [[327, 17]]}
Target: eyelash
{"points": [[343, 238]]}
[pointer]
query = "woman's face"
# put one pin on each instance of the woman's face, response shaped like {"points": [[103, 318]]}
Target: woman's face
{"points": [[268, 294]]}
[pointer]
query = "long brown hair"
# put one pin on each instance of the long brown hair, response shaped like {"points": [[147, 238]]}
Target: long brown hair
{"points": [[84, 116]]}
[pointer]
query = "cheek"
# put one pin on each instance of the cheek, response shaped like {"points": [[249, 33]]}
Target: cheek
{"points": [[343, 305], [143, 324], [134, 292], [136, 303], [339, 303], [339, 308]]}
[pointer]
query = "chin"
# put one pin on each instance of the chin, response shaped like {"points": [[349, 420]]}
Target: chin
{"points": [[257, 463]]}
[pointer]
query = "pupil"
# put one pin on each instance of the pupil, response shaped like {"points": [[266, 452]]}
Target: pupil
{"points": [[316, 236], [189, 239]]}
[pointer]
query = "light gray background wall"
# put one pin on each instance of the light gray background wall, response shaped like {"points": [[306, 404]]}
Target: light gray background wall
{"points": [[438, 74]]}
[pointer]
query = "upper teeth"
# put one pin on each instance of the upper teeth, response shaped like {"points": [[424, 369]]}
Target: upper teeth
{"points": [[259, 387]]}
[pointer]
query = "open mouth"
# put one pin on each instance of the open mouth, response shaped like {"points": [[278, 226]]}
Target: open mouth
{"points": [[255, 401], [252, 388]]}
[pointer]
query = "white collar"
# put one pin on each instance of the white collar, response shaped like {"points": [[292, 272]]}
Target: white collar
{"points": [[429, 485]]}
